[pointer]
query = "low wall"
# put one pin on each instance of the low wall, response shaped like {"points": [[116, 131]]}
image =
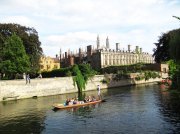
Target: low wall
{"points": [[18, 89]]}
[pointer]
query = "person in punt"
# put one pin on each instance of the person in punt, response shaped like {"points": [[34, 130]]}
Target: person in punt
{"points": [[89, 99], [75, 101], [67, 102], [93, 99], [85, 100]]}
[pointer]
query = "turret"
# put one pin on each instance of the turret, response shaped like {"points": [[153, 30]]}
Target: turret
{"points": [[107, 43], [98, 42]]}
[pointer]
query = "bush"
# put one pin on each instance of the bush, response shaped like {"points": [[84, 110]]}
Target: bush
{"points": [[62, 72], [105, 81]]}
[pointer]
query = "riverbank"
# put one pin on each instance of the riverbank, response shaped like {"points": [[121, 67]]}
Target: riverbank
{"points": [[18, 89]]}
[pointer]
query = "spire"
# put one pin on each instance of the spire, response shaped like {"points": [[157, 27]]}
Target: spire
{"points": [[60, 54], [107, 43], [98, 42]]}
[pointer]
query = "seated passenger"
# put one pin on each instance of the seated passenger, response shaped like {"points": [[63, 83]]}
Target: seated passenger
{"points": [[89, 99], [85, 100], [75, 101], [67, 101], [93, 98]]}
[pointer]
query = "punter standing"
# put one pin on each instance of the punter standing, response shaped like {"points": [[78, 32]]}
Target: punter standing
{"points": [[99, 92]]}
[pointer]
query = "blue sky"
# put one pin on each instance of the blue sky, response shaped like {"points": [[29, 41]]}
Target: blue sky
{"points": [[76, 23]]}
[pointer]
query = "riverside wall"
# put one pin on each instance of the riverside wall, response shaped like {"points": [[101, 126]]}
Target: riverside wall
{"points": [[18, 89]]}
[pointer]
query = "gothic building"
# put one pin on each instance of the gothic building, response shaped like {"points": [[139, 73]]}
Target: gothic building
{"points": [[104, 56]]}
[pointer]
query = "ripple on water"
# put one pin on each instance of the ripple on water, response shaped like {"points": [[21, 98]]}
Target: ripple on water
{"points": [[127, 110]]}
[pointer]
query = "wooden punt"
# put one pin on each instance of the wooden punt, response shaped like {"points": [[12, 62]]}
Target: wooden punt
{"points": [[61, 106]]}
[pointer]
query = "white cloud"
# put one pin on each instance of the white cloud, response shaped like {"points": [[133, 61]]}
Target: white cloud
{"points": [[23, 20], [76, 23]]}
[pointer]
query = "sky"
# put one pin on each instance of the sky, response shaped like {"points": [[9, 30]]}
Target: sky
{"points": [[74, 24]]}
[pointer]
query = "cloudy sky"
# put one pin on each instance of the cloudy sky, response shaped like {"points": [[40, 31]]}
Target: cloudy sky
{"points": [[76, 23]]}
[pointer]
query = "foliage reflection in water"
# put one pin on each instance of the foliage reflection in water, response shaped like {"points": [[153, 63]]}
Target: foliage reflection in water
{"points": [[137, 109]]}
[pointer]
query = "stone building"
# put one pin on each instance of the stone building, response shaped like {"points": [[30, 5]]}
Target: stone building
{"points": [[104, 56], [48, 63]]}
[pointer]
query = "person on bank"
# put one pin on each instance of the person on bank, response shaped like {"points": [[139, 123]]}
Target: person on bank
{"points": [[28, 79], [99, 91]]}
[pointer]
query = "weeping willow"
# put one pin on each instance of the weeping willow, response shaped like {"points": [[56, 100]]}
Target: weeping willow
{"points": [[78, 78], [81, 75]]}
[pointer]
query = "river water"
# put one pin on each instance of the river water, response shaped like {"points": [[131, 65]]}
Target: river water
{"points": [[142, 109]]}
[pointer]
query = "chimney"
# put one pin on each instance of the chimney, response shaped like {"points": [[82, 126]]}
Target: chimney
{"points": [[117, 46], [137, 49], [89, 52], [80, 55], [66, 55], [129, 48], [140, 50]]}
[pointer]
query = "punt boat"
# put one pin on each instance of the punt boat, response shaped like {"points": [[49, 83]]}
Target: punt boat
{"points": [[61, 106]]}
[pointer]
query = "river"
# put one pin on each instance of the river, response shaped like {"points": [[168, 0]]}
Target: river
{"points": [[142, 109]]}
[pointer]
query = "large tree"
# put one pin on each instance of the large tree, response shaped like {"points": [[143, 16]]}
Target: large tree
{"points": [[30, 39], [175, 45], [14, 58], [161, 52], [167, 46], [175, 55], [168, 50]]}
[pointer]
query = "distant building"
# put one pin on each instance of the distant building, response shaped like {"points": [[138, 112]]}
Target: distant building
{"points": [[103, 56], [49, 64], [162, 68]]}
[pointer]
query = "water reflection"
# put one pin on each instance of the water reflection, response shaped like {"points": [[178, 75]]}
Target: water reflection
{"points": [[134, 109], [169, 106]]}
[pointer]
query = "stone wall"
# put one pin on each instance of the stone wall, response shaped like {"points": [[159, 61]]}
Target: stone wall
{"points": [[18, 89]]}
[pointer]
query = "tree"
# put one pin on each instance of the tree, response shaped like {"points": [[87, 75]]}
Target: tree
{"points": [[176, 17], [175, 45], [161, 52], [168, 49], [14, 57], [175, 55], [78, 78], [86, 71], [30, 39]]}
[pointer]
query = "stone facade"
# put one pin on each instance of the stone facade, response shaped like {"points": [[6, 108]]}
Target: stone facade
{"points": [[48, 63], [104, 56], [18, 89]]}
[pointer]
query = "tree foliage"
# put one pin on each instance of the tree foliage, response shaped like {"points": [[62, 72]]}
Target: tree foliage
{"points": [[86, 71], [14, 58], [175, 45], [30, 39], [168, 46], [81, 74], [161, 52], [168, 50], [78, 78]]}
